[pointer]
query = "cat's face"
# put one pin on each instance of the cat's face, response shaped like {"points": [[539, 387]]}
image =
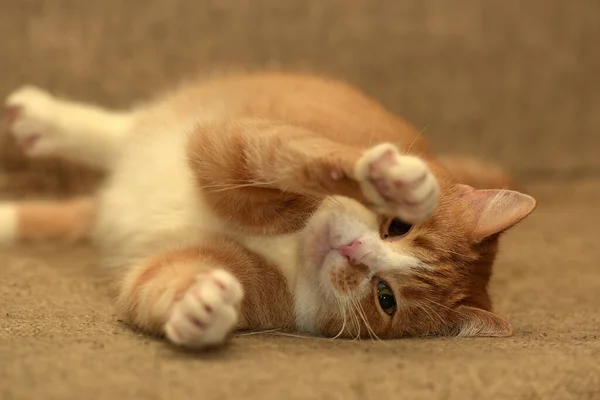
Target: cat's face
{"points": [[377, 276]]}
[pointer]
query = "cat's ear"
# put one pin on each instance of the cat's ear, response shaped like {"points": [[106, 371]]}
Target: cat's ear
{"points": [[496, 209], [474, 322]]}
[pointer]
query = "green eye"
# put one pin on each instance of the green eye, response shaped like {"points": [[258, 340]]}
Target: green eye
{"points": [[387, 301]]}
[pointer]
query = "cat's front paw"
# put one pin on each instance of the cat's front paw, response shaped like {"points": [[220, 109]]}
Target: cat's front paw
{"points": [[397, 185], [208, 311], [31, 114]]}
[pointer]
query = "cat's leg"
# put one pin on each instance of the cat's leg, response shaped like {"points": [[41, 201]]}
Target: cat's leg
{"points": [[193, 295], [46, 126], [189, 299], [43, 220], [255, 155]]}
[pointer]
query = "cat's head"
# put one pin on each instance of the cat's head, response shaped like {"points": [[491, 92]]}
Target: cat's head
{"points": [[374, 275]]}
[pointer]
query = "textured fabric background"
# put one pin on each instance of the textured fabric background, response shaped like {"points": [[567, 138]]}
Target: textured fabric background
{"points": [[514, 81]]}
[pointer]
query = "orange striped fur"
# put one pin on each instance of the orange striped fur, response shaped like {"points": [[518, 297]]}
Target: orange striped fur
{"points": [[66, 220], [273, 201]]}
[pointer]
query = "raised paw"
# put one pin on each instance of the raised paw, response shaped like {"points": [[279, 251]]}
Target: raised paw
{"points": [[207, 312], [397, 185], [31, 114]]}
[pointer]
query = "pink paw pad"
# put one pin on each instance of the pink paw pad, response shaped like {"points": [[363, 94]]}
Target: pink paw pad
{"points": [[386, 160], [207, 311]]}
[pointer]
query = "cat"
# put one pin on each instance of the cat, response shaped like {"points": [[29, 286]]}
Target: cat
{"points": [[271, 201]]}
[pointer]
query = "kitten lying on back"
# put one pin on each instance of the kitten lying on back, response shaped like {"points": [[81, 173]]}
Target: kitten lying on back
{"points": [[270, 201]]}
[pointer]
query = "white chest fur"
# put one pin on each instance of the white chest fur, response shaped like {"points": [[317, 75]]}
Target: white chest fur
{"points": [[152, 204], [281, 251], [152, 200]]}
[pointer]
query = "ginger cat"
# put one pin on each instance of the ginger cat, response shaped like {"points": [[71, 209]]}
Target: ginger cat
{"points": [[271, 201]]}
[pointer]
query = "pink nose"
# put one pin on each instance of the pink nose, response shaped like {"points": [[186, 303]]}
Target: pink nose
{"points": [[351, 250]]}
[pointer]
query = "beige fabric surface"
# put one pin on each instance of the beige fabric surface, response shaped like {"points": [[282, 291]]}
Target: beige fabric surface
{"points": [[60, 338], [515, 82]]}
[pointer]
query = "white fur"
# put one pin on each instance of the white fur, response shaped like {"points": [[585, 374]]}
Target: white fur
{"points": [[413, 189], [378, 257], [306, 304], [207, 313], [338, 222], [50, 127], [151, 203], [279, 250], [8, 222], [283, 251], [374, 253]]}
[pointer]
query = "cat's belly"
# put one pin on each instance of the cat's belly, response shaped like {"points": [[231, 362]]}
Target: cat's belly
{"points": [[150, 202]]}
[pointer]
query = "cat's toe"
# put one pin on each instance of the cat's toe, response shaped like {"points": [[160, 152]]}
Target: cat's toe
{"points": [[230, 286], [396, 184], [29, 112], [208, 311]]}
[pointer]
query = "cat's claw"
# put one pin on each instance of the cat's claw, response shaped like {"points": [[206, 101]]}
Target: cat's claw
{"points": [[397, 185], [30, 113], [207, 312]]}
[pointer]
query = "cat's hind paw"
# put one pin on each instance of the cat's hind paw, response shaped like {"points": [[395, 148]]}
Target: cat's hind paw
{"points": [[31, 114], [207, 312], [397, 185]]}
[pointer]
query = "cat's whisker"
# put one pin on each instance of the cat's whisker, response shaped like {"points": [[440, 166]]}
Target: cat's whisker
{"points": [[419, 305], [410, 146], [446, 307], [299, 336], [358, 313], [358, 309], [355, 320], [369, 327], [345, 315], [430, 311], [343, 311], [437, 315], [359, 327], [360, 260], [258, 332], [361, 311], [237, 182], [238, 186]]}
